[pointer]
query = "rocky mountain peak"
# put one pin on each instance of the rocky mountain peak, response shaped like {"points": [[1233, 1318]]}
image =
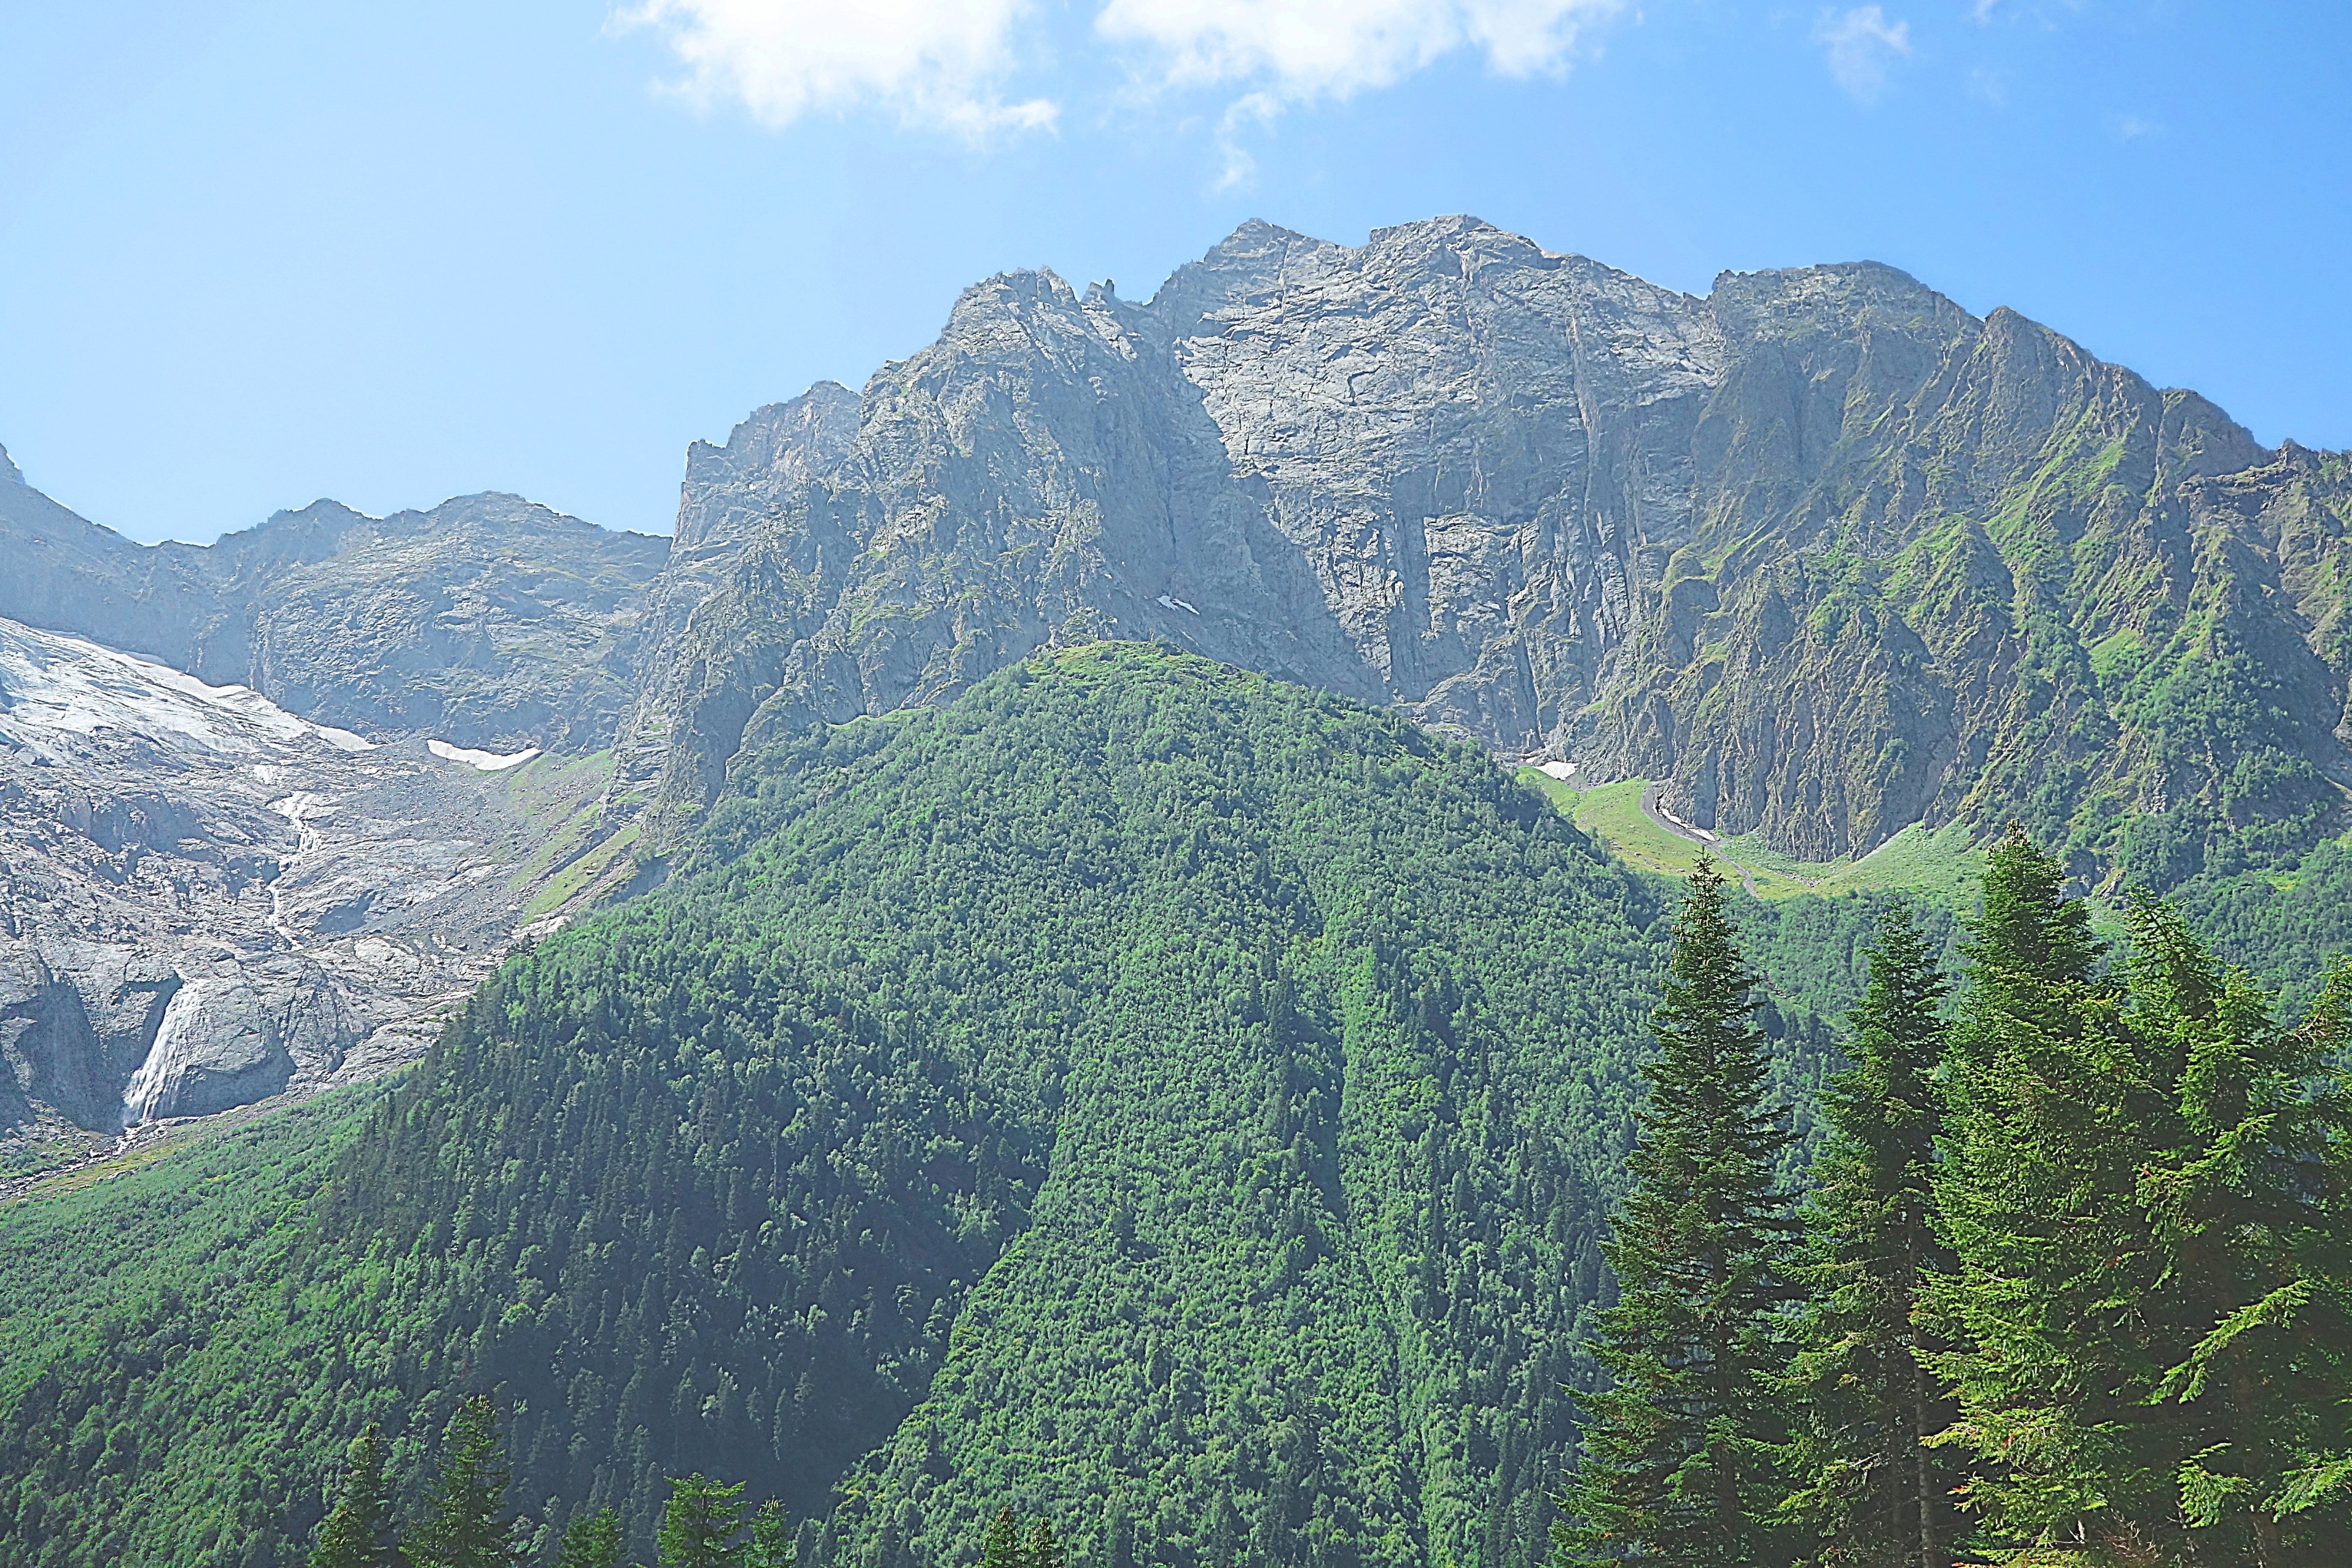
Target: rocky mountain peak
{"points": [[731, 487], [1796, 552], [1778, 548], [9, 472]]}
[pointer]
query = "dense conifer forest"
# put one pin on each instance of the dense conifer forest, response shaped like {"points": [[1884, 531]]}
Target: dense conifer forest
{"points": [[1146, 1115]]}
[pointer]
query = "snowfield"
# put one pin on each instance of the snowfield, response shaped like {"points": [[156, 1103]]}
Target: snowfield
{"points": [[53, 686], [484, 761], [208, 901]]}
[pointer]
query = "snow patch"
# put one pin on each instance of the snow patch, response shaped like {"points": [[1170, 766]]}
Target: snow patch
{"points": [[1687, 827], [1559, 770], [484, 761], [1167, 602], [343, 740]]}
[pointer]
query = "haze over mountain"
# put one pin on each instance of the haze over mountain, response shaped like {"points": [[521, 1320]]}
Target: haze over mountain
{"points": [[1821, 553]]}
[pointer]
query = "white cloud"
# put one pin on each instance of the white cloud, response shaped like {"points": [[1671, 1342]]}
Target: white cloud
{"points": [[1860, 45], [934, 62], [1303, 50], [1240, 164], [2132, 127]]}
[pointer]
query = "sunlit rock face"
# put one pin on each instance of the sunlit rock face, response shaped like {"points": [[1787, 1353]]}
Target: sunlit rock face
{"points": [[205, 900], [1426, 472], [1821, 553]]}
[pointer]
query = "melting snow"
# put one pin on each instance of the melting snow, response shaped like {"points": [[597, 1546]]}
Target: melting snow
{"points": [[1686, 827], [53, 686], [1557, 770], [1171, 602], [487, 761]]}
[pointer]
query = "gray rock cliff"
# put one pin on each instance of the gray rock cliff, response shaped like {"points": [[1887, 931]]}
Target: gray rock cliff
{"points": [[205, 900]]}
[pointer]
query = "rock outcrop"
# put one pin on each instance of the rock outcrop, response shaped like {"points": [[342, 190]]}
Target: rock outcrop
{"points": [[731, 493]]}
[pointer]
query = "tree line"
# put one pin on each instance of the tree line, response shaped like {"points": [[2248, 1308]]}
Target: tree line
{"points": [[2072, 1284], [465, 1523], [2068, 1284]]}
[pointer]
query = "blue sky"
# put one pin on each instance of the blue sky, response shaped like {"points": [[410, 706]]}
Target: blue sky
{"points": [[252, 254]]}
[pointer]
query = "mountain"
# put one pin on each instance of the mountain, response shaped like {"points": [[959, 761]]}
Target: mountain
{"points": [[488, 622], [1098, 1028], [1823, 552], [1177, 1101], [1819, 558], [276, 804]]}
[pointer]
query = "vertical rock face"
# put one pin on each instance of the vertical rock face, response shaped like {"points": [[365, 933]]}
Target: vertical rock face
{"points": [[730, 494], [1823, 552], [731, 490], [1482, 448]]}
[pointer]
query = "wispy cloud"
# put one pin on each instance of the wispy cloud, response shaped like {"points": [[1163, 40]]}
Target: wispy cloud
{"points": [[1240, 164], [2132, 127], [1297, 50], [934, 63], [946, 64], [1861, 44]]}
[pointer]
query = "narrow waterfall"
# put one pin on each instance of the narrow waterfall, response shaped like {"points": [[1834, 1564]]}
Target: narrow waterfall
{"points": [[151, 1083]]}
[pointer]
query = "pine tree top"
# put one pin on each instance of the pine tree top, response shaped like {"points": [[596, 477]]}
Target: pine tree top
{"points": [[2028, 927]]}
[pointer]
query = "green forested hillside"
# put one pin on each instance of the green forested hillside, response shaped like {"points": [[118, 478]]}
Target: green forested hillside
{"points": [[1152, 1096], [145, 1330], [1190, 1103], [2284, 928]]}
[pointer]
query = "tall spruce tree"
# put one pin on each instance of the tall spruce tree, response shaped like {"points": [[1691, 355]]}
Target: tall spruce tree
{"points": [[2145, 1189], [1043, 1549], [358, 1530], [1000, 1544], [1680, 1456], [591, 1540], [466, 1525], [772, 1538], [2251, 1217], [2104, 1194], [2049, 1110], [1869, 1492], [700, 1523]]}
